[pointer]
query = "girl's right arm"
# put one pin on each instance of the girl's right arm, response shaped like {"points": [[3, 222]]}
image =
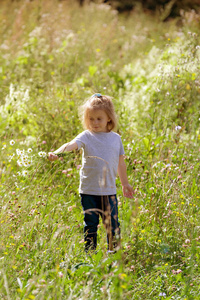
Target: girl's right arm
{"points": [[64, 148]]}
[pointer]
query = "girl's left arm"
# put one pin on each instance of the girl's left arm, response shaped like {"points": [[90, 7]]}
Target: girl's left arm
{"points": [[126, 187]]}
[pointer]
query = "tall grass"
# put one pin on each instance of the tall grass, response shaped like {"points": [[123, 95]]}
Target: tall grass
{"points": [[53, 56]]}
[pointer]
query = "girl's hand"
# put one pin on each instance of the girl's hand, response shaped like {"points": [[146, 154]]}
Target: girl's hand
{"points": [[128, 191], [52, 157]]}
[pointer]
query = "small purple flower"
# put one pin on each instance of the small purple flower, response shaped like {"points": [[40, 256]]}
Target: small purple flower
{"points": [[162, 295]]}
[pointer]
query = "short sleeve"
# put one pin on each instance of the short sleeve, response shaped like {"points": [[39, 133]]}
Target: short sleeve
{"points": [[80, 139], [121, 150]]}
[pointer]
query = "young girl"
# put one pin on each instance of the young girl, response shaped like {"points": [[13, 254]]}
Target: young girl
{"points": [[102, 159]]}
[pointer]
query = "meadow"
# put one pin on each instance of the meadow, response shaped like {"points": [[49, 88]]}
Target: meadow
{"points": [[53, 56]]}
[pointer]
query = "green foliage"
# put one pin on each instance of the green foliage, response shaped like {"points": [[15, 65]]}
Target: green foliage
{"points": [[151, 69]]}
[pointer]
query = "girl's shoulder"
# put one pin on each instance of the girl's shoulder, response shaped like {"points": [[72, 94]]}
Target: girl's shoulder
{"points": [[115, 134], [83, 133]]}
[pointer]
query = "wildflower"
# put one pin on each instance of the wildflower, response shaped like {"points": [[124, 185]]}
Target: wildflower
{"points": [[24, 158], [176, 272], [178, 128], [123, 286], [28, 163], [19, 163], [60, 274], [25, 173], [12, 142], [122, 276], [71, 207], [78, 167], [64, 171], [42, 154], [44, 142], [4, 146], [162, 295], [18, 152], [29, 150]]}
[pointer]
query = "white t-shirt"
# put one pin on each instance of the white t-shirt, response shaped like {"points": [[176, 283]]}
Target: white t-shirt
{"points": [[100, 160]]}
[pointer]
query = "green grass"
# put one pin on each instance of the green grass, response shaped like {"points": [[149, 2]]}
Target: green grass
{"points": [[53, 56]]}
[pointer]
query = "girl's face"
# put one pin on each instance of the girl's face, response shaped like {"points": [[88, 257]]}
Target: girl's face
{"points": [[98, 120]]}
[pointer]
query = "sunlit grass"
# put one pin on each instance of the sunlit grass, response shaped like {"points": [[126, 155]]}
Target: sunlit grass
{"points": [[51, 60]]}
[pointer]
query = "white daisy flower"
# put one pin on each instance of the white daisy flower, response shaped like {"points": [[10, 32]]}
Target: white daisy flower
{"points": [[25, 173], [20, 164], [12, 142], [44, 154], [40, 153], [29, 150], [18, 152]]}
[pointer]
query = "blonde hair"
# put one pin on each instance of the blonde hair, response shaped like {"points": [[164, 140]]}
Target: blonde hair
{"points": [[98, 101]]}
